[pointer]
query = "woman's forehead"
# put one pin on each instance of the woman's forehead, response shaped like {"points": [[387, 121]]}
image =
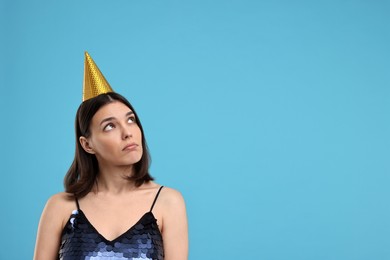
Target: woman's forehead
{"points": [[114, 109]]}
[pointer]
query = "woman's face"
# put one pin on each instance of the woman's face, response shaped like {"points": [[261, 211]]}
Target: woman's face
{"points": [[115, 137]]}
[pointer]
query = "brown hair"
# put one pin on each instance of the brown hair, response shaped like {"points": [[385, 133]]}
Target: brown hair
{"points": [[82, 174]]}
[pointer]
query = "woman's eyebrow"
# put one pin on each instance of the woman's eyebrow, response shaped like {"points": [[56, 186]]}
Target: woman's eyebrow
{"points": [[107, 119], [111, 118]]}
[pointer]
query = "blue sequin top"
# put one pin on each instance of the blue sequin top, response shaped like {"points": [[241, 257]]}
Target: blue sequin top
{"points": [[80, 240]]}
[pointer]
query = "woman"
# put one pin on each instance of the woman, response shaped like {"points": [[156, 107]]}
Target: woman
{"points": [[111, 208]]}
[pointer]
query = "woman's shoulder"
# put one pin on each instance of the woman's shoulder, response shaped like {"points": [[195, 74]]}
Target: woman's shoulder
{"points": [[57, 210], [172, 210], [171, 197], [61, 202], [171, 192], [62, 198], [165, 191]]}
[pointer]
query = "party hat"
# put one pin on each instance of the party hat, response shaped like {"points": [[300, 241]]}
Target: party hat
{"points": [[94, 82]]}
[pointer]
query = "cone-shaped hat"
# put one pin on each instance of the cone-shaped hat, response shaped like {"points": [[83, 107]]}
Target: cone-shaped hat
{"points": [[94, 82]]}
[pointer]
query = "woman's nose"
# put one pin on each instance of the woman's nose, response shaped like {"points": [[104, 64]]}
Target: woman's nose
{"points": [[126, 133]]}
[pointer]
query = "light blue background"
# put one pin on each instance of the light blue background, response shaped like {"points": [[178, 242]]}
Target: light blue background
{"points": [[271, 117]]}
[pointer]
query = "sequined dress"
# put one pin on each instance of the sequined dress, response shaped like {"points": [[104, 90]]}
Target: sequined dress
{"points": [[80, 240]]}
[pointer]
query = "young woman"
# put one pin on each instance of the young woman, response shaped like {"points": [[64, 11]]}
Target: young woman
{"points": [[111, 208]]}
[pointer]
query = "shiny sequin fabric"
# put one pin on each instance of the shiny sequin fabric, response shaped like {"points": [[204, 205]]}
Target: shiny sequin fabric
{"points": [[80, 240]]}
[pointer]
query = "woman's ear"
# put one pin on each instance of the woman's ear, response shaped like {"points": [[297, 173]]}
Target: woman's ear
{"points": [[86, 145]]}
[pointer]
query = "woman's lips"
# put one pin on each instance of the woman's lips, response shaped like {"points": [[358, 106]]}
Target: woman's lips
{"points": [[130, 147]]}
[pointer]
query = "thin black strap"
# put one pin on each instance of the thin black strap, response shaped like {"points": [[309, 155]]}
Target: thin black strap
{"points": [[156, 198], [77, 203]]}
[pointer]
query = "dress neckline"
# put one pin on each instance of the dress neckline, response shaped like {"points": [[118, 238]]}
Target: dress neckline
{"points": [[121, 235]]}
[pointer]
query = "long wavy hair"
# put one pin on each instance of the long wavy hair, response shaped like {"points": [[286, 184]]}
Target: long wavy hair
{"points": [[82, 174]]}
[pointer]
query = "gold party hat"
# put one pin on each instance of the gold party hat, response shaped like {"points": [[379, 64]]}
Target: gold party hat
{"points": [[94, 82]]}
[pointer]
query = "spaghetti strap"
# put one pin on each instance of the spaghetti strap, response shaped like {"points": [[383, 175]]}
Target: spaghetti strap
{"points": [[155, 199], [77, 203]]}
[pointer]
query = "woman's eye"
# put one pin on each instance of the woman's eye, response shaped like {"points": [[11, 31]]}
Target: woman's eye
{"points": [[131, 119], [108, 127]]}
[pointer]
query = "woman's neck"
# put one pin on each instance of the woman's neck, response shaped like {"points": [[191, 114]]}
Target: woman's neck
{"points": [[113, 179]]}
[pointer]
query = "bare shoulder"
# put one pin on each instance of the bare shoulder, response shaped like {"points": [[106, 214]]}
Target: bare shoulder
{"points": [[60, 206], [174, 226], [61, 200], [54, 216], [171, 197]]}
